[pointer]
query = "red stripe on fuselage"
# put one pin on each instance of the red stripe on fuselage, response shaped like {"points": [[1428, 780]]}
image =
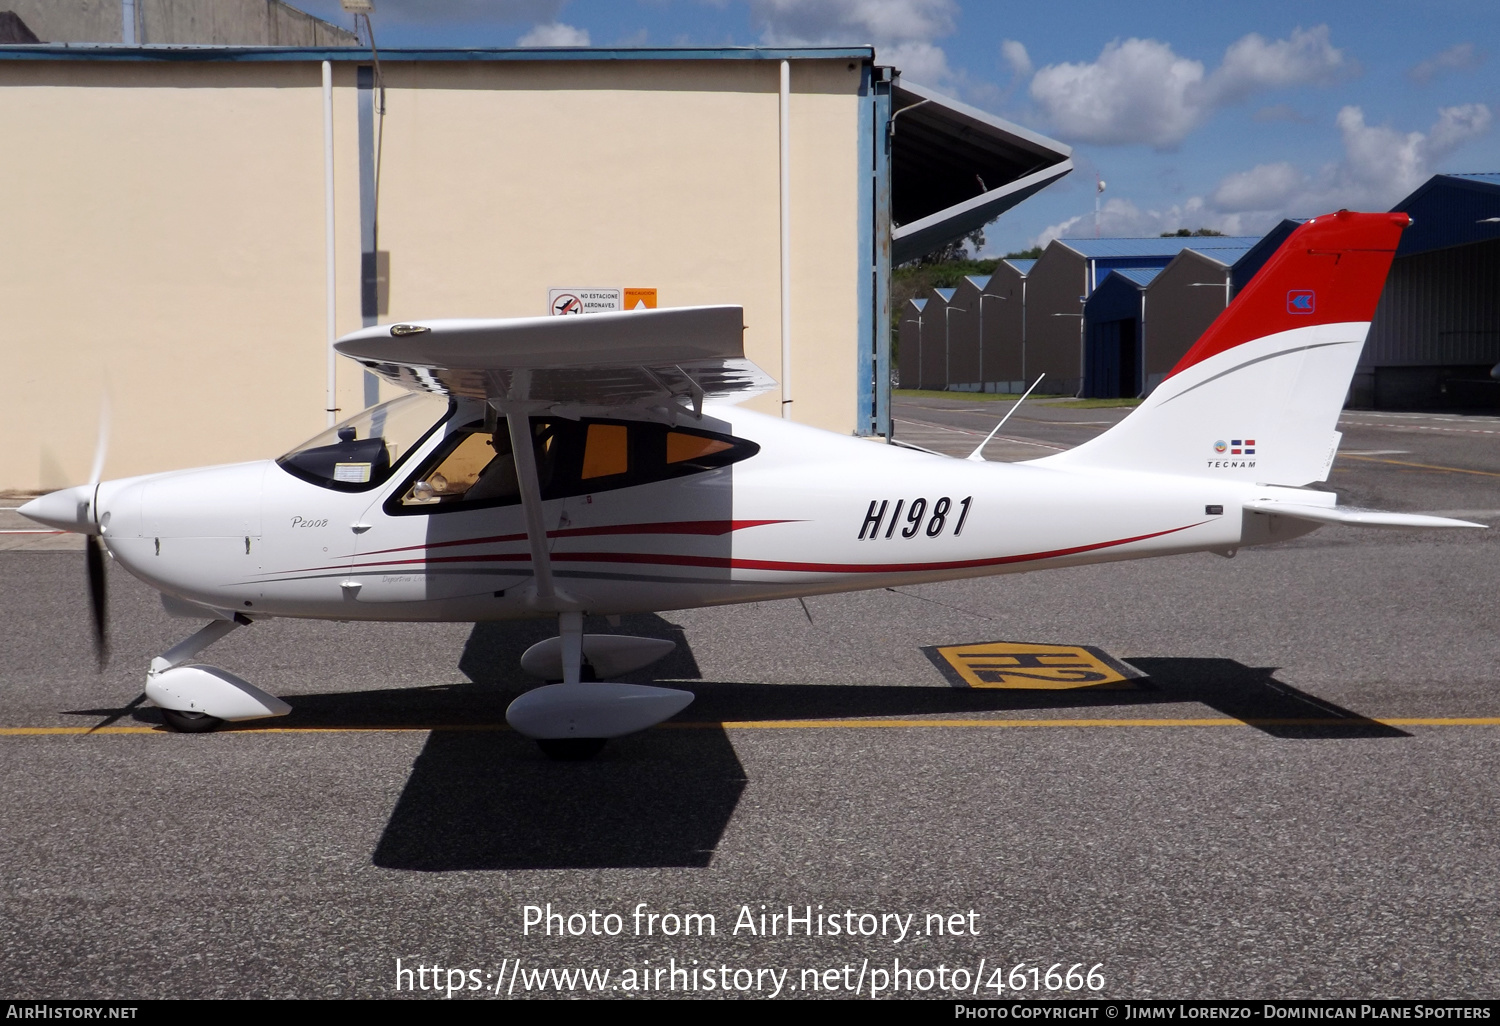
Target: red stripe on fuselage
{"points": [[687, 527], [731, 563], [848, 568]]}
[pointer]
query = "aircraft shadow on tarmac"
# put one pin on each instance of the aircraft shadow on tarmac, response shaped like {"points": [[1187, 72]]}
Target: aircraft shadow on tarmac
{"points": [[483, 798]]}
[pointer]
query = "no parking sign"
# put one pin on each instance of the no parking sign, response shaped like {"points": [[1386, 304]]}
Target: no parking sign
{"points": [[564, 302]]}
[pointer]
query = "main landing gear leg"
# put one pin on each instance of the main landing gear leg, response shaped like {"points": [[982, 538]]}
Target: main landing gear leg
{"points": [[198, 699], [572, 720], [572, 749]]}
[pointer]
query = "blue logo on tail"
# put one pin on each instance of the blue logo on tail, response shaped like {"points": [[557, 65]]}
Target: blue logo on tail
{"points": [[1301, 301]]}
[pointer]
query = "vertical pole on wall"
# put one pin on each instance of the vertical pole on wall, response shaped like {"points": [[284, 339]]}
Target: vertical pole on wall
{"points": [[328, 238], [1140, 357], [786, 240], [369, 257], [866, 330], [882, 255]]}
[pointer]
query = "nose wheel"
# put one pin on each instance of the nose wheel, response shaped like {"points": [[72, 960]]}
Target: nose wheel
{"points": [[183, 722], [198, 699]]}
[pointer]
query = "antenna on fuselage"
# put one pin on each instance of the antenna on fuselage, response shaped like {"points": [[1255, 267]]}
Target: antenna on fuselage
{"points": [[977, 454]]}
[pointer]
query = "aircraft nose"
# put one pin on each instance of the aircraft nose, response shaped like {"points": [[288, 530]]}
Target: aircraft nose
{"points": [[68, 509]]}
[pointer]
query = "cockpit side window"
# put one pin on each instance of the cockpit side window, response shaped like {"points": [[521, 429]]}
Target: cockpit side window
{"points": [[363, 451], [473, 469]]}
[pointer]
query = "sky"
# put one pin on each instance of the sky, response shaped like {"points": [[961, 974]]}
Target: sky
{"points": [[1193, 114]]}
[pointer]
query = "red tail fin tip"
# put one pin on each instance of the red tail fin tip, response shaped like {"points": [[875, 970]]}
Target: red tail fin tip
{"points": [[1330, 270]]}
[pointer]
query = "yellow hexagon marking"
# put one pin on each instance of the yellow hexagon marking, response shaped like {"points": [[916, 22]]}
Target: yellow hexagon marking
{"points": [[1010, 664]]}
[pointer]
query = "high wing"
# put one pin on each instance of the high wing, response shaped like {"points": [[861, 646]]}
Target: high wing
{"points": [[638, 358]]}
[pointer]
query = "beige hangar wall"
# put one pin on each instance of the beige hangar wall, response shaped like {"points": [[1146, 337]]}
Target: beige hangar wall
{"points": [[164, 241], [166, 231]]}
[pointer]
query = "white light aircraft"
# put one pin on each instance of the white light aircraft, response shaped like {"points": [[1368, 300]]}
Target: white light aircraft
{"points": [[572, 465]]}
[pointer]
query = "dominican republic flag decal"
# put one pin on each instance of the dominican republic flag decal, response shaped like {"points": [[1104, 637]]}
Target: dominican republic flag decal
{"points": [[1235, 447]]}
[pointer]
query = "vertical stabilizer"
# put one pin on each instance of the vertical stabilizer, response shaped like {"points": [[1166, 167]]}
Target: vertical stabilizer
{"points": [[1258, 396]]}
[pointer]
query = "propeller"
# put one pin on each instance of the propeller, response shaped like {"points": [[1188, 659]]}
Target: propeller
{"points": [[93, 547]]}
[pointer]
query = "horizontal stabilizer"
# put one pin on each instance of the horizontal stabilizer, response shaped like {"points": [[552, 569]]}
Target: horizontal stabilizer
{"points": [[1353, 516], [626, 358]]}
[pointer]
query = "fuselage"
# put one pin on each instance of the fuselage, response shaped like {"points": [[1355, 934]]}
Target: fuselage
{"points": [[806, 512]]}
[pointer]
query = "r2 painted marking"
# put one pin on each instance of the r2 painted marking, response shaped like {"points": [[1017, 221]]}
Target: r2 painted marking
{"points": [[917, 511]]}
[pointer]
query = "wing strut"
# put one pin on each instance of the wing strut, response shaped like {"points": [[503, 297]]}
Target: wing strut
{"points": [[519, 423]]}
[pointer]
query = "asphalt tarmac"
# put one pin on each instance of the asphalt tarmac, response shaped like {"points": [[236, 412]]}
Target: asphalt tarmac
{"points": [[1300, 803]]}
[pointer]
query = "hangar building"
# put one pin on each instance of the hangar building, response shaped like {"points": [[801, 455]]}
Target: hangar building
{"points": [[1064, 277], [1436, 334], [167, 212], [1032, 315]]}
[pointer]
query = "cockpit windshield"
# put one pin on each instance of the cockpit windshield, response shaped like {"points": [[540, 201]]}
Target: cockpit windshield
{"points": [[363, 451]]}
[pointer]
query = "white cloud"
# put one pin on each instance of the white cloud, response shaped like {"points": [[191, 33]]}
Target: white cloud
{"points": [[1456, 58], [1141, 91], [536, 11], [903, 31], [1137, 91], [1252, 64], [555, 34], [1379, 166], [1121, 218], [801, 22], [920, 62], [1016, 57], [1263, 187], [1456, 126]]}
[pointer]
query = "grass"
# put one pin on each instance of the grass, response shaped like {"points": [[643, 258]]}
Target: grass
{"points": [[1101, 404], [989, 397], [978, 397]]}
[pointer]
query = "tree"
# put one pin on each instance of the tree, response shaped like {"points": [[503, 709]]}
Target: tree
{"points": [[955, 250], [1183, 233]]}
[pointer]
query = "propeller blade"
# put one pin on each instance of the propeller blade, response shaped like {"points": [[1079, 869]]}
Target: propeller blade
{"points": [[94, 556], [93, 547], [101, 446]]}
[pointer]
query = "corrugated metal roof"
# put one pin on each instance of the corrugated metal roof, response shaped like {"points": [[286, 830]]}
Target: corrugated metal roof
{"points": [[1024, 266], [1227, 257], [1451, 210], [1170, 246], [1137, 275], [1478, 176]]}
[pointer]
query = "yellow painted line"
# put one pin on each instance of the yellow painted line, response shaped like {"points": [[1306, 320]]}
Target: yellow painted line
{"points": [[1216, 721], [1448, 721], [1423, 466]]}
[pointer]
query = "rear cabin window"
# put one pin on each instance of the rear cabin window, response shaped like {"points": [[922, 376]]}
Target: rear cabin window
{"points": [[474, 469]]}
